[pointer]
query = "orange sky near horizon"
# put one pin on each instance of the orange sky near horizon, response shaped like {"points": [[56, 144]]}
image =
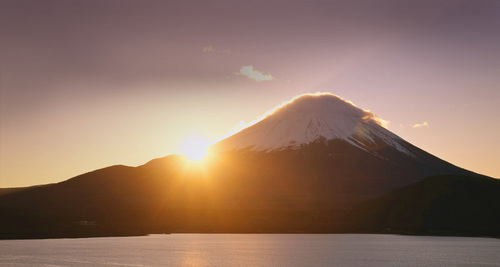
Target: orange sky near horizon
{"points": [[89, 84]]}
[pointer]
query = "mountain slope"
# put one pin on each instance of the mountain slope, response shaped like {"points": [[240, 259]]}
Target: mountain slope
{"points": [[301, 169], [243, 194], [309, 117], [353, 145], [233, 194], [438, 205]]}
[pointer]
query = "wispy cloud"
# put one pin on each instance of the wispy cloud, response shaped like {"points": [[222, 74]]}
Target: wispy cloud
{"points": [[420, 125], [208, 49], [253, 74]]}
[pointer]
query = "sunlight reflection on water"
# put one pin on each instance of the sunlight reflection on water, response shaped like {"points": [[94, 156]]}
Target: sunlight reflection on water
{"points": [[253, 250]]}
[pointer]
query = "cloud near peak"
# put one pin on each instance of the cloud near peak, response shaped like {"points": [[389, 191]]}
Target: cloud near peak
{"points": [[253, 74], [372, 117], [367, 115]]}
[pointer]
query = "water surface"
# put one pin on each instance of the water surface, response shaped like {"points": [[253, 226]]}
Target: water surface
{"points": [[253, 250]]}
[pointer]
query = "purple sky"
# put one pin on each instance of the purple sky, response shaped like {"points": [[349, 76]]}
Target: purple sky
{"points": [[88, 84]]}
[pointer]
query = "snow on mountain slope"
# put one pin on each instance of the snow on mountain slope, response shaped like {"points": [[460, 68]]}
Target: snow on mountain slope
{"points": [[309, 117]]}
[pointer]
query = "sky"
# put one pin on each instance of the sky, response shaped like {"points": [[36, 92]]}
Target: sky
{"points": [[89, 84]]}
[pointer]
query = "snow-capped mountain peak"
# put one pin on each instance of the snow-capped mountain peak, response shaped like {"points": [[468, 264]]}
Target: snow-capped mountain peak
{"points": [[309, 117]]}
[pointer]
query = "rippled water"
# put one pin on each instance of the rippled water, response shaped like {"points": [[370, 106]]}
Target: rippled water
{"points": [[253, 250]]}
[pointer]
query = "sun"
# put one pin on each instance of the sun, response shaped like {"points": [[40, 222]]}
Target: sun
{"points": [[195, 148]]}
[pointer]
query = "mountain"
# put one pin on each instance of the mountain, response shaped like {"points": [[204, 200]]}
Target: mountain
{"points": [[437, 205], [308, 118], [354, 151], [306, 167]]}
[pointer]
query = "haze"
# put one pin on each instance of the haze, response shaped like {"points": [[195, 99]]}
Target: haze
{"points": [[88, 84]]}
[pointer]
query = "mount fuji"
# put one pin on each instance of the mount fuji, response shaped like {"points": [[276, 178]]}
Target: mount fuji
{"points": [[308, 118], [350, 146], [317, 163]]}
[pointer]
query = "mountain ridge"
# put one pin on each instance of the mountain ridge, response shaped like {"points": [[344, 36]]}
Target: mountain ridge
{"points": [[313, 185], [309, 117]]}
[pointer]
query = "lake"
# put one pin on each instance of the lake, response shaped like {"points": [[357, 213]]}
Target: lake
{"points": [[253, 250]]}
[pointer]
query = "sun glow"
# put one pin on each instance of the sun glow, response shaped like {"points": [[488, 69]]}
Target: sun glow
{"points": [[195, 148]]}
